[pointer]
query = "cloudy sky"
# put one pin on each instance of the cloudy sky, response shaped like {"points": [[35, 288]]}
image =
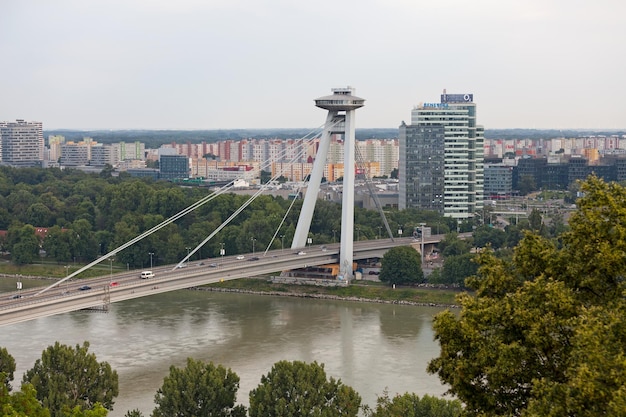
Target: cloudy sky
{"points": [[227, 64]]}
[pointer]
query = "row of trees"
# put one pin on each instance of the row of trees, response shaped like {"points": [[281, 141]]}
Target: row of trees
{"points": [[70, 382], [89, 215]]}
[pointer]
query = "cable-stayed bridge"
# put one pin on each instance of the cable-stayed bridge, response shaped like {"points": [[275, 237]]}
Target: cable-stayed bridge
{"points": [[101, 291], [64, 295]]}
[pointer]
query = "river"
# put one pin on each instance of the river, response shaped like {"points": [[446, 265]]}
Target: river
{"points": [[369, 346]]}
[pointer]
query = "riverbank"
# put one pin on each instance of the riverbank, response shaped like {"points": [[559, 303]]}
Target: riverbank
{"points": [[364, 291]]}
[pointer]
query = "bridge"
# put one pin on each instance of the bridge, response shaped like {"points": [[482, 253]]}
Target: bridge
{"points": [[66, 295], [99, 292]]}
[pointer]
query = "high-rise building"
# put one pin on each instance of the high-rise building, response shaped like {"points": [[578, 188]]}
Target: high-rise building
{"points": [[22, 143], [441, 158]]}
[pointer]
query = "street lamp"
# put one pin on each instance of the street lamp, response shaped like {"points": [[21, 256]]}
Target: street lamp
{"points": [[110, 270], [422, 233], [188, 249], [253, 240], [358, 233], [334, 235], [151, 254], [282, 243], [222, 251], [380, 228]]}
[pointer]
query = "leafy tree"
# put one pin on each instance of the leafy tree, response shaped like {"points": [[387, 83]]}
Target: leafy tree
{"points": [[484, 235], [21, 404], [411, 405], [526, 185], [452, 245], [198, 390], [535, 220], [294, 389], [457, 268], [7, 367], [401, 265], [133, 413], [23, 244], [67, 377], [545, 334]]}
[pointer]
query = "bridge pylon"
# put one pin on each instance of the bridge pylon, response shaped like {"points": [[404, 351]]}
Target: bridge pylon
{"points": [[341, 106]]}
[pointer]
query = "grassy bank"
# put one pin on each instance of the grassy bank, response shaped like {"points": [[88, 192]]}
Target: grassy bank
{"points": [[360, 289]]}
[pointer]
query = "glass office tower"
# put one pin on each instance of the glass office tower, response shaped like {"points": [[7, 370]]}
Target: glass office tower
{"points": [[441, 158]]}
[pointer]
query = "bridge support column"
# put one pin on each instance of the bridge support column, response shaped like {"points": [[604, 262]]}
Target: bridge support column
{"points": [[341, 100]]}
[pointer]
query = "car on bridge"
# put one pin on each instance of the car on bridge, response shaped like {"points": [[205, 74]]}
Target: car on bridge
{"points": [[254, 258], [84, 288], [240, 257]]}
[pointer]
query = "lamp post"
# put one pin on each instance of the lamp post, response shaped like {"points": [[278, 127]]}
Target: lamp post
{"points": [[110, 270], [222, 251], [422, 245], [380, 228], [151, 254], [358, 233], [282, 243], [334, 231], [253, 240], [188, 249]]}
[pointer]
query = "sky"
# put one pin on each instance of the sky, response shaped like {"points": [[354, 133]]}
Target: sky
{"points": [[246, 64]]}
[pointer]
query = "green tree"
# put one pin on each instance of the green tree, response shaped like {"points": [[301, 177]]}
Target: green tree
{"points": [[7, 367], [526, 185], [535, 220], [411, 405], [484, 235], [23, 244], [545, 334], [401, 265], [458, 268], [294, 389], [198, 390], [133, 413], [21, 404], [67, 377]]}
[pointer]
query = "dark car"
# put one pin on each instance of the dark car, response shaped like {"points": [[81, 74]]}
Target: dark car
{"points": [[84, 288], [254, 258]]}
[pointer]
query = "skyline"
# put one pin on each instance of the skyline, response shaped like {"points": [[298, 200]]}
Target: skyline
{"points": [[219, 64]]}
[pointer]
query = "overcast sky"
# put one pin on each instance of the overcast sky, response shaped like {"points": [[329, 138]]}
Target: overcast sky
{"points": [[228, 64]]}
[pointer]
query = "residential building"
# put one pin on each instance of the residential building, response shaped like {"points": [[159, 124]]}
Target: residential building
{"points": [[173, 167], [21, 143]]}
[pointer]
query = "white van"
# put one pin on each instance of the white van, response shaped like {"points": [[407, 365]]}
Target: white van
{"points": [[147, 274]]}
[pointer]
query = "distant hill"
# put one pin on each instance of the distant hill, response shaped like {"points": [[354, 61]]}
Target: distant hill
{"points": [[156, 138]]}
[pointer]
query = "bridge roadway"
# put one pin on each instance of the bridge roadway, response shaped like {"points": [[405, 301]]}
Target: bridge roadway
{"points": [[128, 285]]}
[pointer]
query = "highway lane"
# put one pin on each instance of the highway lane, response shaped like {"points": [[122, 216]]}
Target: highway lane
{"points": [[128, 285]]}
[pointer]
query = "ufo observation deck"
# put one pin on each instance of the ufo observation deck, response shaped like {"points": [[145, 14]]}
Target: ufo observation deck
{"points": [[341, 100]]}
